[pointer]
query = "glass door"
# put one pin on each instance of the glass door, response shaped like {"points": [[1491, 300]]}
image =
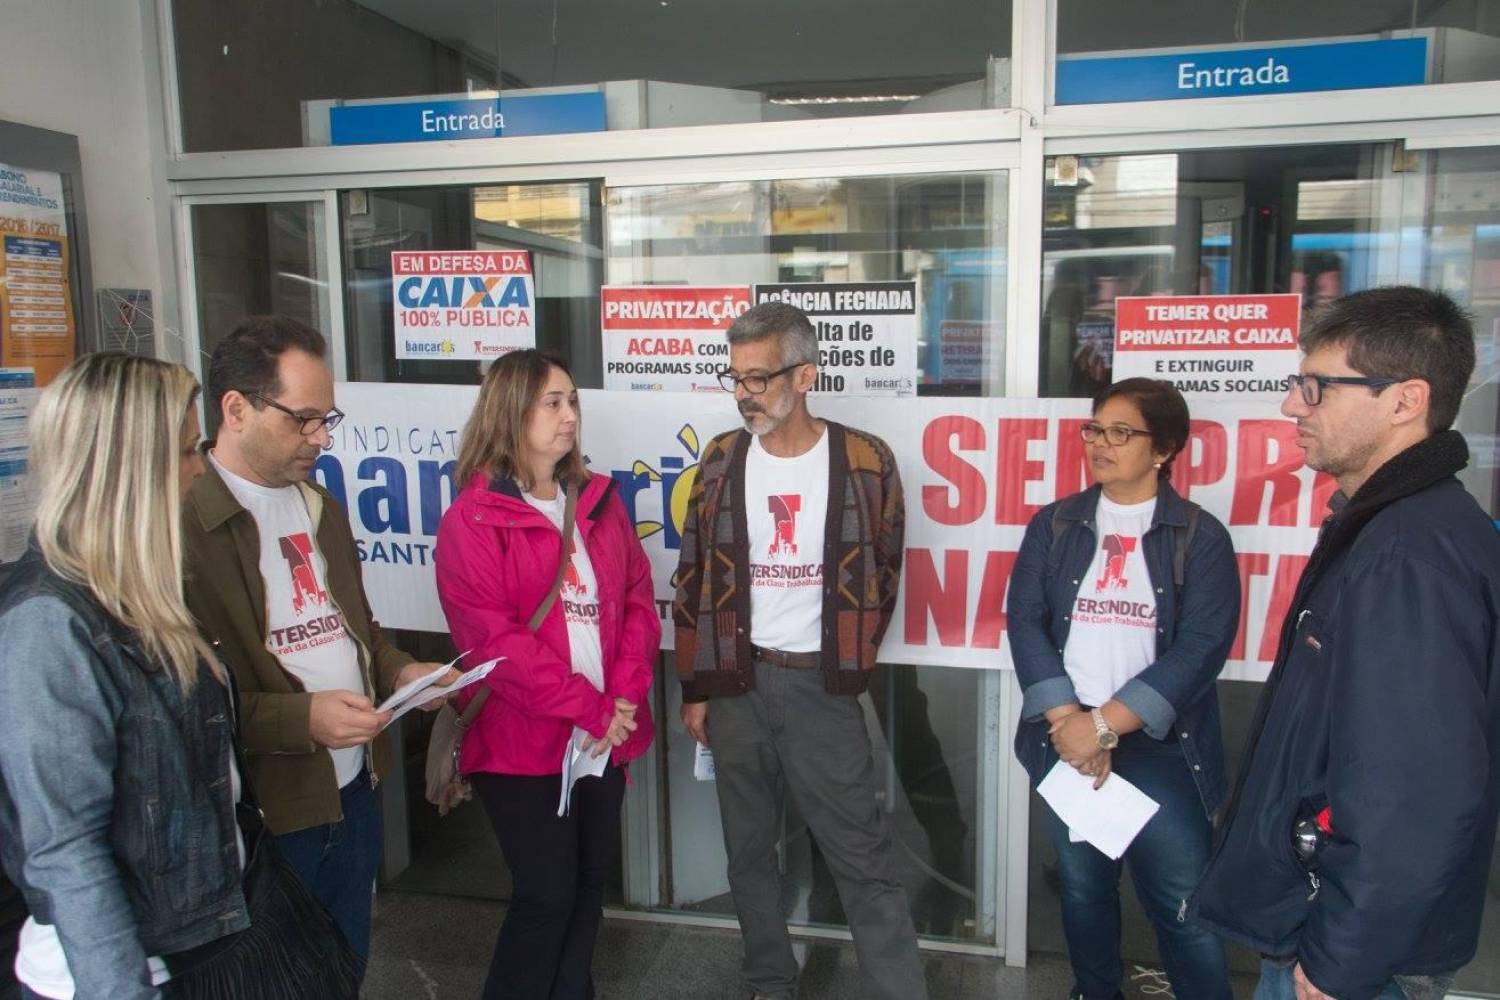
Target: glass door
{"points": [[1321, 221], [935, 730], [558, 225], [1449, 238]]}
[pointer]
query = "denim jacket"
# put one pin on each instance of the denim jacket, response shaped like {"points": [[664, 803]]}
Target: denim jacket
{"points": [[116, 815], [1175, 696]]}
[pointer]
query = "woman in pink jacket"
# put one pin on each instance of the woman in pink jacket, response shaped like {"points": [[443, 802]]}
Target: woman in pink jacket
{"points": [[579, 681]]}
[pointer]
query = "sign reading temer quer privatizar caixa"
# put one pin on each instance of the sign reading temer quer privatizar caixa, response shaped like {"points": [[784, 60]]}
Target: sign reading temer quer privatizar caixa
{"points": [[462, 305], [1234, 346]]}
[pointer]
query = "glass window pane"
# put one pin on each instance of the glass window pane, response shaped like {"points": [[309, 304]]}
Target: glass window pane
{"points": [[947, 232], [933, 733], [1452, 238], [1316, 220], [258, 258], [660, 62], [557, 224]]}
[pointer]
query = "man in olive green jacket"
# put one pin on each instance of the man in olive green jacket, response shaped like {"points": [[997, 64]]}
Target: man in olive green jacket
{"points": [[272, 576]]}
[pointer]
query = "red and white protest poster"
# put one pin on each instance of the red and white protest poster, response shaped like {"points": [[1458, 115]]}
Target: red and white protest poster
{"points": [[975, 472], [668, 337], [462, 305], [1230, 346]]}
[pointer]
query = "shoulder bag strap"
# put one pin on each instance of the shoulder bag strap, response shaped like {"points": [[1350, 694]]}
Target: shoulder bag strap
{"points": [[570, 511], [1183, 537]]}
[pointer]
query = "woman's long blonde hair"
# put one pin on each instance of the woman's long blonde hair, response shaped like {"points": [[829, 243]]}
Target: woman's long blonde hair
{"points": [[106, 443]]}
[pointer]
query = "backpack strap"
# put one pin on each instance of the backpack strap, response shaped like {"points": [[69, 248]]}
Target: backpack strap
{"points": [[1182, 537]]}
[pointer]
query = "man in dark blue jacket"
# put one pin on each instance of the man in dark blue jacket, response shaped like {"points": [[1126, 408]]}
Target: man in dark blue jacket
{"points": [[1356, 848]]}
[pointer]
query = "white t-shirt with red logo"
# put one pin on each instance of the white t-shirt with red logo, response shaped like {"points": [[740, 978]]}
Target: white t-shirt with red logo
{"points": [[1113, 632], [786, 506], [304, 628], [579, 598]]}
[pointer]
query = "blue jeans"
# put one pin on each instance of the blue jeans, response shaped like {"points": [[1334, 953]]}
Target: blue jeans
{"points": [[1166, 860], [1277, 983], [338, 862]]}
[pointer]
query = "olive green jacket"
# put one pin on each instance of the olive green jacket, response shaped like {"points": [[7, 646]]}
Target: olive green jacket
{"points": [[293, 778]]}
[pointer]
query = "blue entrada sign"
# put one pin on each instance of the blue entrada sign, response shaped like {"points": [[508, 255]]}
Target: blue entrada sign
{"points": [[1283, 69], [476, 118]]}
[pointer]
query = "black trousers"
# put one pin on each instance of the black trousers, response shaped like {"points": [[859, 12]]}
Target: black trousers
{"points": [[558, 865]]}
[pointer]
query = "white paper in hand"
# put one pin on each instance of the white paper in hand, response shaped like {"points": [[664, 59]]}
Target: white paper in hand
{"points": [[578, 763], [1109, 818], [425, 688], [703, 762]]}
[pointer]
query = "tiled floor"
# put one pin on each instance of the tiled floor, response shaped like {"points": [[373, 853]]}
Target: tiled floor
{"points": [[429, 946]]}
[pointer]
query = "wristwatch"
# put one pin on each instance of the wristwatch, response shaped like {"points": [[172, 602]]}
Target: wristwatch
{"points": [[1108, 738]]}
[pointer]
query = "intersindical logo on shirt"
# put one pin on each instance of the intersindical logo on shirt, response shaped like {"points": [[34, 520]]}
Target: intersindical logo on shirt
{"points": [[1117, 549], [297, 550], [784, 509]]}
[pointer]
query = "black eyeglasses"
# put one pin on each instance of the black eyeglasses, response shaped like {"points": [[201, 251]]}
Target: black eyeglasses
{"points": [[1118, 435], [308, 425], [754, 384], [1312, 386]]}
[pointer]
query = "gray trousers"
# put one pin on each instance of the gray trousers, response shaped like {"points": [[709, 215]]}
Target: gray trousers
{"points": [[789, 735]]}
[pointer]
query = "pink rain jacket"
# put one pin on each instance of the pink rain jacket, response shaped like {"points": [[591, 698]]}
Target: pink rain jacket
{"points": [[496, 559]]}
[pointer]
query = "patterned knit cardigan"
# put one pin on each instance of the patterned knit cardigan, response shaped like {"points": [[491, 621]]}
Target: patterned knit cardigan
{"points": [[862, 551]]}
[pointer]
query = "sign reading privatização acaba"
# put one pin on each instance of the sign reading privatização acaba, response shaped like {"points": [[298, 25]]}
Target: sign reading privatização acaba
{"points": [[668, 337], [1241, 71], [462, 305], [975, 471], [472, 118], [1234, 346]]}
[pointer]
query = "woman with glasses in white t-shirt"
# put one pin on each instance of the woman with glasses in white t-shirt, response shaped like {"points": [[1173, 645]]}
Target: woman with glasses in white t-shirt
{"points": [[1122, 611]]}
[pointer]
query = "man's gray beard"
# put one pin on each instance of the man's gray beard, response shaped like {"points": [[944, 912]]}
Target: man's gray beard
{"points": [[770, 421], [767, 424]]}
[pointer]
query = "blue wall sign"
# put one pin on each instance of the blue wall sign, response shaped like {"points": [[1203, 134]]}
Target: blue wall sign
{"points": [[1282, 69], [482, 118]]}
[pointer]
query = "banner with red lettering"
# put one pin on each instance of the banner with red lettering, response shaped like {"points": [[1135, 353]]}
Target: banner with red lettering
{"points": [[667, 337], [975, 471], [1229, 346]]}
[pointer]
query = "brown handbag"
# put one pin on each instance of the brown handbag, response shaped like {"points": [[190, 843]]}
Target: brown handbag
{"points": [[446, 785]]}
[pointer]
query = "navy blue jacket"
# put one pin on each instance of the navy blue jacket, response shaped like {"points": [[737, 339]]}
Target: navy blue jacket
{"points": [[1384, 705], [1175, 696], [116, 815]]}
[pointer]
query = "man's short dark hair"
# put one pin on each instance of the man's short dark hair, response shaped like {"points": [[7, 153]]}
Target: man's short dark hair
{"points": [[1402, 332], [246, 359], [1162, 408], [795, 332]]}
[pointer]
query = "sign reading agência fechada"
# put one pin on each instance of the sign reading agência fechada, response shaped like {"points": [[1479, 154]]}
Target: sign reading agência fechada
{"points": [[867, 333], [462, 305]]}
